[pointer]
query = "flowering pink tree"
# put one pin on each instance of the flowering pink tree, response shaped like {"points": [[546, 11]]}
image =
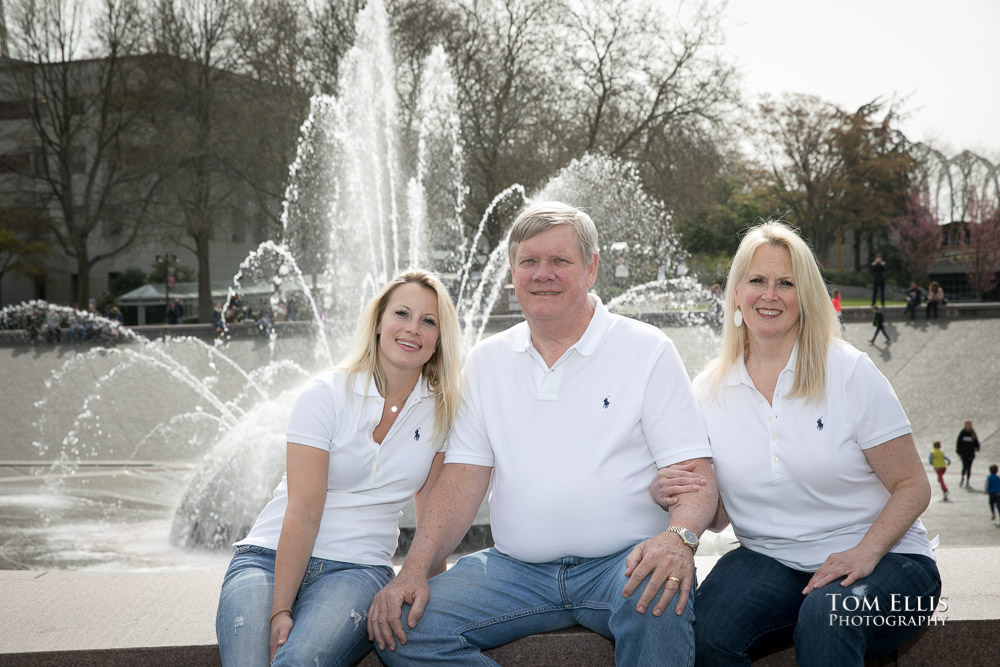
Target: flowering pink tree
{"points": [[919, 236], [979, 249]]}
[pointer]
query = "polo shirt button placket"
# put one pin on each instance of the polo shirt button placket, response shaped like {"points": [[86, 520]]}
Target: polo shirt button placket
{"points": [[775, 471]]}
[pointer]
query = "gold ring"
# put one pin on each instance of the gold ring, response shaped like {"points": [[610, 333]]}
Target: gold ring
{"points": [[674, 579]]}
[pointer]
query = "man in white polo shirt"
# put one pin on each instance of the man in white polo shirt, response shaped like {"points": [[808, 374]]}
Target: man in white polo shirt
{"points": [[571, 413]]}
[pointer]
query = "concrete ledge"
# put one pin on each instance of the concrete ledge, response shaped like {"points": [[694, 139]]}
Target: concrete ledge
{"points": [[156, 656], [954, 310], [966, 643], [238, 330], [62, 618]]}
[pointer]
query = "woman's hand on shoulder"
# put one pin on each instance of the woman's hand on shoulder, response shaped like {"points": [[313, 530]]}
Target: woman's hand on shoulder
{"points": [[673, 481], [852, 564]]}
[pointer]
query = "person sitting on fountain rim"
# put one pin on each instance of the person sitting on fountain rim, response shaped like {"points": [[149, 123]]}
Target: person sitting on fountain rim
{"points": [[362, 440], [817, 471], [566, 412]]}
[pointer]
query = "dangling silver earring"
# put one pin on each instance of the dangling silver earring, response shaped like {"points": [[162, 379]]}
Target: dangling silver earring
{"points": [[738, 318]]}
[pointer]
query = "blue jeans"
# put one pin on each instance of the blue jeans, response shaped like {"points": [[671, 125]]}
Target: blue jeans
{"points": [[750, 604], [330, 611], [487, 599]]}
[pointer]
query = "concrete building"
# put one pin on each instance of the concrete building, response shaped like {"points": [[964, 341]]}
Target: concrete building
{"points": [[170, 160]]}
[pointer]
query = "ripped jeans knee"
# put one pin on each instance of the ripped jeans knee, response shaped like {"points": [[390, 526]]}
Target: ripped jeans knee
{"points": [[330, 611]]}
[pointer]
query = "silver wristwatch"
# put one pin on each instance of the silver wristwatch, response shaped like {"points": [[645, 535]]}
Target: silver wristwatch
{"points": [[688, 536]]}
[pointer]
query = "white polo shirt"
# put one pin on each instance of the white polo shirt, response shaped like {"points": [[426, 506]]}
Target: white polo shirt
{"points": [[574, 447], [793, 475], [368, 483]]}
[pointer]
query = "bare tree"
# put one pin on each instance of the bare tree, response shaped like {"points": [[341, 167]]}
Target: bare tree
{"points": [[82, 114], [652, 87], [835, 171], [503, 64], [330, 36], [804, 164], [643, 72], [194, 40], [229, 105], [542, 82], [877, 173], [269, 36]]}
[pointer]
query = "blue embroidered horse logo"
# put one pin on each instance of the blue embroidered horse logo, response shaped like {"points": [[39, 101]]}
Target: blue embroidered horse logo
{"points": [[607, 402], [819, 424], [416, 434]]}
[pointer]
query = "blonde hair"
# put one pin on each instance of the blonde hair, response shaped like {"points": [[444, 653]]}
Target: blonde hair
{"points": [[442, 371], [817, 326], [543, 216]]}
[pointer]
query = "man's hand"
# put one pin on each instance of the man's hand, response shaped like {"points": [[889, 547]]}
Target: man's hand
{"points": [[673, 481], [384, 625], [668, 564]]}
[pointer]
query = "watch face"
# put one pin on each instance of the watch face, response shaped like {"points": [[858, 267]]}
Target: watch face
{"points": [[690, 536]]}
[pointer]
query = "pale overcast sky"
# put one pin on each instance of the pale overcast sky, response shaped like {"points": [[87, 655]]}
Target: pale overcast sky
{"points": [[943, 56]]}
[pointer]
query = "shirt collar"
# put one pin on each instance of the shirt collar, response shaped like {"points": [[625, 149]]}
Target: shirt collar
{"points": [[738, 374], [586, 344], [364, 386]]}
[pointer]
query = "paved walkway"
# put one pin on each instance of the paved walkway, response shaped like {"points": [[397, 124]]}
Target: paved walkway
{"points": [[60, 610]]}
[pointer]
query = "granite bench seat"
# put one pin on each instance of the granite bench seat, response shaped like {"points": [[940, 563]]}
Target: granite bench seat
{"points": [[964, 643], [60, 618]]}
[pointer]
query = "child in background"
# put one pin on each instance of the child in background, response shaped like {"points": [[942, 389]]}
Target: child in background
{"points": [[836, 307], [878, 321], [940, 462], [993, 491]]}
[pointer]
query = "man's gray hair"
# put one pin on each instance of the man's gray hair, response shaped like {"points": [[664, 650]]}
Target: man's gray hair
{"points": [[543, 216]]}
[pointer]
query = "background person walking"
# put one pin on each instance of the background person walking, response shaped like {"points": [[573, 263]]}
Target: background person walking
{"points": [[967, 445], [940, 463], [878, 321], [993, 491]]}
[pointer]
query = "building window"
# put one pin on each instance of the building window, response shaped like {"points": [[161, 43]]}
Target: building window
{"points": [[14, 110], [260, 227], [41, 287], [78, 160], [238, 231], [18, 163], [39, 162]]}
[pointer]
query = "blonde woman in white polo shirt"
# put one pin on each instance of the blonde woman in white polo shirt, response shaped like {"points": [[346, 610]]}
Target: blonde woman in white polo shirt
{"points": [[817, 472], [363, 439]]}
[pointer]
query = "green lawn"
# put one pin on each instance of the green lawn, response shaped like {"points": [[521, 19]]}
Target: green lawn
{"points": [[868, 302]]}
